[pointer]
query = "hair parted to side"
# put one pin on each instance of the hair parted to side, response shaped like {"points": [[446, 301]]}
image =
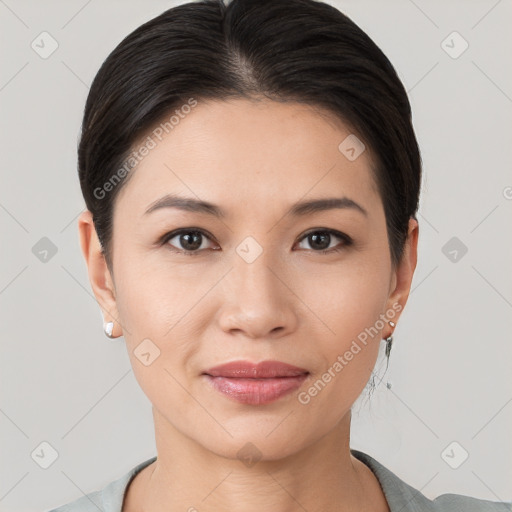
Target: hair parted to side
{"points": [[285, 50]]}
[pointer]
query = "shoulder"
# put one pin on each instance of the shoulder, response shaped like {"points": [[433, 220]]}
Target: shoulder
{"points": [[456, 502], [91, 502], [405, 498], [108, 499]]}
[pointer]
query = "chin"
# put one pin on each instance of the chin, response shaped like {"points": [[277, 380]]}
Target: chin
{"points": [[252, 442]]}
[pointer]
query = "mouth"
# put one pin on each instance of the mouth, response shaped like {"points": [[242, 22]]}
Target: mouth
{"points": [[255, 384]]}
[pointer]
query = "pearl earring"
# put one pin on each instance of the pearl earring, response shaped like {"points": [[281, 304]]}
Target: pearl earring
{"points": [[109, 328]]}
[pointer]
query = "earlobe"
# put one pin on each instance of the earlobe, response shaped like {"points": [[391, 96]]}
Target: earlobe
{"points": [[97, 269]]}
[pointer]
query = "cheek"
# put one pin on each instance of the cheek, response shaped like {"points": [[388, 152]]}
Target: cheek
{"points": [[348, 356], [348, 299], [156, 307], [151, 297], [157, 343], [350, 303]]}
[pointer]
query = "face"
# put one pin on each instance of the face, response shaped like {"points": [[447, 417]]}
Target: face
{"points": [[312, 288]]}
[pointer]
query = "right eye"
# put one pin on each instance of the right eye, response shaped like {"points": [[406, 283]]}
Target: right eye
{"points": [[192, 240]]}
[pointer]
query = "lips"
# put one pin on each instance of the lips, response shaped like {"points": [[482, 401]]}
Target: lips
{"points": [[255, 384], [263, 370]]}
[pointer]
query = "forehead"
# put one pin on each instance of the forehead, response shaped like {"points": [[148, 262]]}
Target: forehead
{"points": [[253, 154]]}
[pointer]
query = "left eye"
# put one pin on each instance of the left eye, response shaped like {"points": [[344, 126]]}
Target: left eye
{"points": [[320, 240]]}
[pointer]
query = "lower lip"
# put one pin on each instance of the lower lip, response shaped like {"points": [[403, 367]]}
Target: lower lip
{"points": [[256, 391]]}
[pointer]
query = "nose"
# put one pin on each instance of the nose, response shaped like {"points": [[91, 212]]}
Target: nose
{"points": [[257, 300]]}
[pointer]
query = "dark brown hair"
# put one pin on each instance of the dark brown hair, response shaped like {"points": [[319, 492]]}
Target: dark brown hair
{"points": [[285, 50]]}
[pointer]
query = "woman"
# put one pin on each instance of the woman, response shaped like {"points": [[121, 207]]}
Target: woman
{"points": [[252, 178]]}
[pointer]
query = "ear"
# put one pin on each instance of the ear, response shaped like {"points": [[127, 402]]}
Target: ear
{"points": [[100, 278], [403, 274]]}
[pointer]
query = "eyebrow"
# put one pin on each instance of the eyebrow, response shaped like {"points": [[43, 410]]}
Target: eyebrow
{"points": [[298, 209]]}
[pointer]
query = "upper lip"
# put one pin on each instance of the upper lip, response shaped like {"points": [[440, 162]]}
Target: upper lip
{"points": [[262, 370]]}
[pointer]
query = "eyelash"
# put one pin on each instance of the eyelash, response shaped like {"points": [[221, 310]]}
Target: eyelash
{"points": [[347, 241]]}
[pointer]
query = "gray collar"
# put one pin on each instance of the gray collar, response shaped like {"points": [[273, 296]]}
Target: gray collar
{"points": [[401, 497]]}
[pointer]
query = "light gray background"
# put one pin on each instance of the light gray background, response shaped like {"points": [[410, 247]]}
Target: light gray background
{"points": [[65, 383]]}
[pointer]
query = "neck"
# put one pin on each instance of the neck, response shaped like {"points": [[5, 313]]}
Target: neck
{"points": [[323, 476]]}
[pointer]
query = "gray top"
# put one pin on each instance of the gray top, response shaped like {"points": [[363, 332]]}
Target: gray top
{"points": [[400, 496]]}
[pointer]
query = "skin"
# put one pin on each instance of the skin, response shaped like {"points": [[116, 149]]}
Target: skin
{"points": [[293, 304]]}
